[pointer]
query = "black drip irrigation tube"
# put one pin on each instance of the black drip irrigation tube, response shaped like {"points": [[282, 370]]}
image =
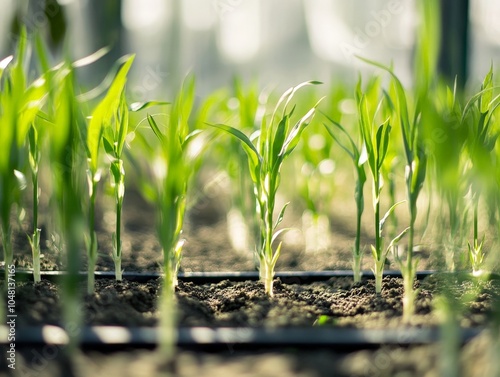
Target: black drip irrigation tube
{"points": [[245, 338]]}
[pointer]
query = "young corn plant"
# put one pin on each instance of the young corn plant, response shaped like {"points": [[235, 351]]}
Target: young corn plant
{"points": [[346, 142], [110, 115], [479, 117], [266, 152], [445, 140], [375, 145], [416, 167], [19, 106], [36, 135], [173, 169], [66, 159]]}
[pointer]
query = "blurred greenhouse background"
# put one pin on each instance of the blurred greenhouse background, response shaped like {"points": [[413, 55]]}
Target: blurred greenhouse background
{"points": [[279, 41]]}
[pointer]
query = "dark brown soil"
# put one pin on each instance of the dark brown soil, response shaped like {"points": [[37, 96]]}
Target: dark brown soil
{"points": [[339, 302], [245, 304]]}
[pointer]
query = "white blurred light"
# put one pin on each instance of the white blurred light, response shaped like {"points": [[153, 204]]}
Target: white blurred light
{"points": [[145, 14], [484, 18], [198, 15], [327, 31], [240, 31]]}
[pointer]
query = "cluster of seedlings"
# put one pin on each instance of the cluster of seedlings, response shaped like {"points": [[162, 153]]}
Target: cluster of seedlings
{"points": [[444, 141]]}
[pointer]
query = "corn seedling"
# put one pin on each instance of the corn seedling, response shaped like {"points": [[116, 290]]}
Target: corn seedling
{"points": [[35, 141], [19, 106], [173, 166], [266, 151], [375, 145], [445, 138], [478, 116], [111, 108], [109, 122], [66, 158], [416, 167], [346, 142]]}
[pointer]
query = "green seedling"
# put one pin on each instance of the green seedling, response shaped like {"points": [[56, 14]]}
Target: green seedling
{"points": [[172, 161], [375, 145], [346, 142], [66, 159], [479, 119], [266, 151], [109, 115], [36, 138], [19, 105]]}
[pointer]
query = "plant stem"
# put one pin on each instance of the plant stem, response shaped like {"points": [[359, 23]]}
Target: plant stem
{"points": [[92, 247], [268, 268], [475, 222], [167, 323], [379, 258], [117, 249], [266, 199], [35, 241], [357, 242], [409, 276]]}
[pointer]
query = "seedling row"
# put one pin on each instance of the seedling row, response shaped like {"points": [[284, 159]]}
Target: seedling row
{"points": [[440, 140]]}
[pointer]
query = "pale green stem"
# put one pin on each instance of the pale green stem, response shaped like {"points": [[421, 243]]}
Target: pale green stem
{"points": [[357, 256], [408, 273], [266, 266], [92, 247], [380, 259], [356, 267], [117, 249], [35, 250], [167, 322]]}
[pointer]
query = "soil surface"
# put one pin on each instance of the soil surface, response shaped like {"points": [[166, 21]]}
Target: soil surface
{"points": [[338, 302]]}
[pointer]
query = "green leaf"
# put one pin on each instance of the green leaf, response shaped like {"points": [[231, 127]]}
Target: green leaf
{"points": [[121, 122], [108, 146], [389, 213], [396, 239], [156, 130], [254, 158], [294, 135], [108, 80], [382, 142], [138, 106], [485, 99], [402, 104], [279, 139], [281, 215], [353, 152], [105, 110]]}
